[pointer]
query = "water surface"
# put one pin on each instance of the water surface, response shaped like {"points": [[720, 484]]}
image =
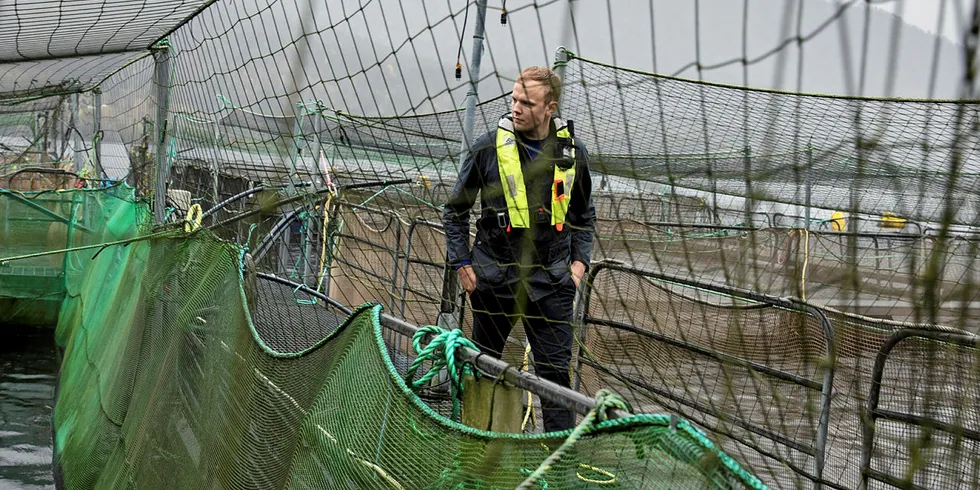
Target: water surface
{"points": [[28, 365]]}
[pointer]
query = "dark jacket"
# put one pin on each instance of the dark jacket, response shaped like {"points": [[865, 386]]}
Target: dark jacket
{"points": [[540, 255]]}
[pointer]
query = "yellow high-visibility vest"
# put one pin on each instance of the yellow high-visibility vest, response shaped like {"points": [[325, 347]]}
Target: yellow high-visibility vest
{"points": [[512, 177]]}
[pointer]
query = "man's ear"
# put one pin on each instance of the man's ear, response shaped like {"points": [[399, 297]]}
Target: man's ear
{"points": [[552, 107]]}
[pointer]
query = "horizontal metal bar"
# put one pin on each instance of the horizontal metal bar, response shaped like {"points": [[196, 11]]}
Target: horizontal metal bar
{"points": [[564, 397], [307, 195], [704, 408], [266, 244], [361, 269], [306, 289], [422, 294], [430, 263], [891, 480], [240, 195], [718, 356], [366, 242], [927, 422], [244, 194], [45, 211]]}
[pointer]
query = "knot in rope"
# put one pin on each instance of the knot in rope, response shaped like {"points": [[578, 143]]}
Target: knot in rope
{"points": [[441, 351], [304, 218], [606, 400]]}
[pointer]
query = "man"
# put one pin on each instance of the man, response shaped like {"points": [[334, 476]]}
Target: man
{"points": [[534, 234]]}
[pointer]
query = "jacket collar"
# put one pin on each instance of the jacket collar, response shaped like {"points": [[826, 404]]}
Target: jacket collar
{"points": [[507, 122]]}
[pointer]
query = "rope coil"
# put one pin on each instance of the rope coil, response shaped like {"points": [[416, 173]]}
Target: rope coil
{"points": [[193, 219], [441, 350]]}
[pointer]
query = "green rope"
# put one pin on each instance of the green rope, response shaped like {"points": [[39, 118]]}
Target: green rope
{"points": [[303, 217], [442, 352], [528, 473], [605, 400]]}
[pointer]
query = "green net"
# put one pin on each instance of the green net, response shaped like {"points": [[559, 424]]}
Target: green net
{"points": [[35, 224], [172, 379], [761, 256]]}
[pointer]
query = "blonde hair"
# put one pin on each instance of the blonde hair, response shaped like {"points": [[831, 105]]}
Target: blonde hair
{"points": [[544, 75]]}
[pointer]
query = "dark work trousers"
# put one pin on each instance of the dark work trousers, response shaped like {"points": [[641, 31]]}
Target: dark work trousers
{"points": [[547, 323]]}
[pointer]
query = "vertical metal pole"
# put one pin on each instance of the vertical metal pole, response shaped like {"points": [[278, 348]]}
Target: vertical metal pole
{"points": [[77, 157], [161, 77], [50, 139], [60, 130], [41, 129], [97, 130], [317, 121], [331, 223], [283, 254], [561, 59], [807, 186], [215, 169], [309, 250], [748, 221], [450, 284], [473, 94], [747, 159], [297, 146]]}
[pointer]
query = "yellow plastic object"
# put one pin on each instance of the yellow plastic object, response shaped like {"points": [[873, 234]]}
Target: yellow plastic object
{"points": [[837, 221], [891, 220], [193, 219]]}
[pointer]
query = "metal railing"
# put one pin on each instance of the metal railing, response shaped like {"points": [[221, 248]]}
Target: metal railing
{"points": [[823, 386], [413, 267], [927, 422]]}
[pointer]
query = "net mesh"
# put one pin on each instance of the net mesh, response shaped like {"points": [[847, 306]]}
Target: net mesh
{"points": [[192, 393], [40, 226], [759, 255]]}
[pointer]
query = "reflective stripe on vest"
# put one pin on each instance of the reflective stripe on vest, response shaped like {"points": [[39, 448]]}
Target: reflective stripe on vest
{"points": [[512, 177]]}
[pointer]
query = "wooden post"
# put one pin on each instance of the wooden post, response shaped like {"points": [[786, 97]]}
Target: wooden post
{"points": [[495, 406]]}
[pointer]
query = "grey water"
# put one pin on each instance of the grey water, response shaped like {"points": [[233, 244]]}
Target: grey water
{"points": [[28, 369]]}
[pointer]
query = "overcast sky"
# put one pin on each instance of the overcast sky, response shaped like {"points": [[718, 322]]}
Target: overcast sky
{"points": [[924, 14], [255, 53]]}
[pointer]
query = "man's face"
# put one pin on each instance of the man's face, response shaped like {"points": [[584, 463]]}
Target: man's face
{"points": [[529, 107]]}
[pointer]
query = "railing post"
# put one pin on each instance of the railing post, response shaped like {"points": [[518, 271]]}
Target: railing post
{"points": [[51, 133], [78, 158], [97, 125], [161, 77], [749, 205], [871, 412], [298, 143], [578, 320], [317, 121], [395, 257], [331, 224], [446, 318], [826, 389], [60, 128], [473, 94], [807, 186], [561, 60]]}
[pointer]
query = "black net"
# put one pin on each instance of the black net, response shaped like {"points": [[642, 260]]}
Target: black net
{"points": [[754, 249]]}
